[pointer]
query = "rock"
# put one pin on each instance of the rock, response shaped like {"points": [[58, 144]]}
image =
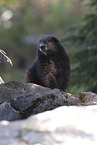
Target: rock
{"points": [[61, 126], [72, 123], [31, 104], [27, 99], [8, 112], [11, 90], [30, 99], [86, 98]]}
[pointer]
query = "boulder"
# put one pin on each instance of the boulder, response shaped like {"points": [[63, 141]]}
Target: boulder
{"points": [[32, 114], [65, 125], [19, 101]]}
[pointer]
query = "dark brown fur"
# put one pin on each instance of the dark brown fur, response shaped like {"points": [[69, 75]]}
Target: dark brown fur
{"points": [[51, 67]]}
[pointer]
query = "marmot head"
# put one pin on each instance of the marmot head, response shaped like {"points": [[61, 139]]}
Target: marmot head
{"points": [[49, 45]]}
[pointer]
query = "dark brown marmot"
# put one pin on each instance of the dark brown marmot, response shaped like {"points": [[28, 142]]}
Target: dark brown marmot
{"points": [[51, 67]]}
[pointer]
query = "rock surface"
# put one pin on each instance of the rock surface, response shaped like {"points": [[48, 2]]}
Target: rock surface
{"points": [[65, 125], [19, 101], [72, 122]]}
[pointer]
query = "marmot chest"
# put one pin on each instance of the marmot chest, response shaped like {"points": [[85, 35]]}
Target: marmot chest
{"points": [[50, 68]]}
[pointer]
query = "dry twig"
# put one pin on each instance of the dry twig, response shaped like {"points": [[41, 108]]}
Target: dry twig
{"points": [[4, 57]]}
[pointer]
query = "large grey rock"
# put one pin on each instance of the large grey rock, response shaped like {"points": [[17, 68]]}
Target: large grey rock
{"points": [[65, 125], [29, 104], [73, 123], [22, 100], [28, 99]]}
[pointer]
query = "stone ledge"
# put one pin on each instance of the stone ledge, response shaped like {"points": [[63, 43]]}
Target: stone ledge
{"points": [[19, 101]]}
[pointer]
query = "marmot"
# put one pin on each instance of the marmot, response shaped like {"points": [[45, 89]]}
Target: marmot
{"points": [[51, 67]]}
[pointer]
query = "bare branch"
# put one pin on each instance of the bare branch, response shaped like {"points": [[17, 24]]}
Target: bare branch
{"points": [[5, 57]]}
